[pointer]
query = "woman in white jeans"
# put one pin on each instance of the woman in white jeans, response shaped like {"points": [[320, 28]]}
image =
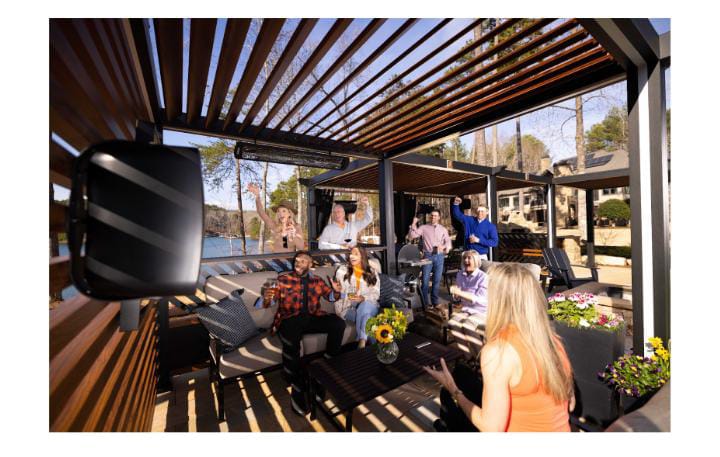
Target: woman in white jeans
{"points": [[360, 292]]}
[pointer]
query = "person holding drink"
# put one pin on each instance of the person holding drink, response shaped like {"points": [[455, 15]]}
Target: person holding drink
{"points": [[360, 292], [480, 233], [436, 244], [341, 234], [299, 312], [286, 235]]}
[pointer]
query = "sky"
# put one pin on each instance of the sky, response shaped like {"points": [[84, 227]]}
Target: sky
{"points": [[543, 124]]}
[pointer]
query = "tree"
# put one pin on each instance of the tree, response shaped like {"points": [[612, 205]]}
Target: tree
{"points": [[219, 164], [534, 150], [611, 134], [614, 210]]}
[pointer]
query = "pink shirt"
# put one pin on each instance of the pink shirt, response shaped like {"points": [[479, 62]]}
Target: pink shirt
{"points": [[432, 235]]}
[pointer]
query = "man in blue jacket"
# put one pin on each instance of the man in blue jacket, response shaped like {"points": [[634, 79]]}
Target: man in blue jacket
{"points": [[480, 233]]}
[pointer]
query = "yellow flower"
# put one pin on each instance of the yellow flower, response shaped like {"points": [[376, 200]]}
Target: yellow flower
{"points": [[655, 342], [384, 333], [661, 352]]}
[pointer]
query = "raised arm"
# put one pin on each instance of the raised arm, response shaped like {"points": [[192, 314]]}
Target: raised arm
{"points": [[456, 213], [365, 221], [259, 207], [415, 231]]}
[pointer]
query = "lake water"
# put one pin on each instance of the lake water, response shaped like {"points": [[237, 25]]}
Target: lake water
{"points": [[214, 247]]}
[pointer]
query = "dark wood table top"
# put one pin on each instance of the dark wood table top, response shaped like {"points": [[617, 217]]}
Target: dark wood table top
{"points": [[355, 377]]}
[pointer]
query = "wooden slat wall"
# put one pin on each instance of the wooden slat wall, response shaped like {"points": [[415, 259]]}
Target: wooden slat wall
{"points": [[101, 379]]}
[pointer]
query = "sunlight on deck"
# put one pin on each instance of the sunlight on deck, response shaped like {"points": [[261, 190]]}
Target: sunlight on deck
{"points": [[262, 403]]}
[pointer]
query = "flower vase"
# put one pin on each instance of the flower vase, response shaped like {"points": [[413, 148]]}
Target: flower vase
{"points": [[387, 353]]}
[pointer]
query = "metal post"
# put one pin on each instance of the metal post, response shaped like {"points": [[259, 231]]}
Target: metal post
{"points": [[311, 217], [387, 214], [551, 223], [492, 207], [649, 197], [147, 132], [590, 225], [403, 217]]}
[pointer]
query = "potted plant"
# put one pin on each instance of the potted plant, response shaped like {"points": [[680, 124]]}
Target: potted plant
{"points": [[388, 327], [635, 378], [592, 340]]}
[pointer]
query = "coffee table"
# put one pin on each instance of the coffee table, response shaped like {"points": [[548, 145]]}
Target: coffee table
{"points": [[356, 377]]}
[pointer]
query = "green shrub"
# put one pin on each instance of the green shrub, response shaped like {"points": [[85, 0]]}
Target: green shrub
{"points": [[614, 210], [613, 251]]}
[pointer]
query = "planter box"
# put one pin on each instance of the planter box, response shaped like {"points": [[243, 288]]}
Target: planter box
{"points": [[589, 351]]}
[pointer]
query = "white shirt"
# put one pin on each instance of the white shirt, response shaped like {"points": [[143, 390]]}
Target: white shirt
{"points": [[333, 236]]}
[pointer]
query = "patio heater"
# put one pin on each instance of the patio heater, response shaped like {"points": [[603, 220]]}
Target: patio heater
{"points": [[289, 155]]}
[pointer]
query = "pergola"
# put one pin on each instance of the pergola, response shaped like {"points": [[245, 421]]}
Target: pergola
{"points": [[425, 175], [105, 83]]}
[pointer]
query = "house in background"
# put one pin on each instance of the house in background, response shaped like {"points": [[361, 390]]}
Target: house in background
{"points": [[532, 214]]}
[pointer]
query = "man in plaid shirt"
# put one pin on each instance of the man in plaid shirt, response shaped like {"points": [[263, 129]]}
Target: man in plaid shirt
{"points": [[299, 313]]}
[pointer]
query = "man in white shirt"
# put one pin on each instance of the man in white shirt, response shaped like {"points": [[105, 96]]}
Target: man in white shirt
{"points": [[341, 234]]}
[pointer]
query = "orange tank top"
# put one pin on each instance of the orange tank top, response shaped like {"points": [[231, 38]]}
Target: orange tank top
{"points": [[532, 408]]}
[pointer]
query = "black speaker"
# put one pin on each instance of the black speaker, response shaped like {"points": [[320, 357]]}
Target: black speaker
{"points": [[136, 220]]}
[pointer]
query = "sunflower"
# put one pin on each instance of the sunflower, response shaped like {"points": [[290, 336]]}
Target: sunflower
{"points": [[384, 333]]}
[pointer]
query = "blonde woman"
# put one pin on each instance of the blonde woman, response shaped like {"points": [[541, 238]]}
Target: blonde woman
{"points": [[526, 375], [360, 292], [286, 234], [471, 289]]}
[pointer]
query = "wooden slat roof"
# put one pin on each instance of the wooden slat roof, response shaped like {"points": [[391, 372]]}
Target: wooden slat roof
{"points": [[418, 174], [103, 78]]}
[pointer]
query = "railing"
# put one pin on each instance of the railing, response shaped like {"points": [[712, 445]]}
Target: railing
{"points": [[521, 247]]}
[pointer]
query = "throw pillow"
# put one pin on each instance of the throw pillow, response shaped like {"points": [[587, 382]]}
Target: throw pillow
{"points": [[391, 291], [228, 320]]}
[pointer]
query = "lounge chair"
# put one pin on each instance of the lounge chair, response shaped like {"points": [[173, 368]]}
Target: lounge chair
{"points": [[561, 271]]}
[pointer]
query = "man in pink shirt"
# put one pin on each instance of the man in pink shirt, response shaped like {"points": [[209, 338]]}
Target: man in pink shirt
{"points": [[435, 245]]}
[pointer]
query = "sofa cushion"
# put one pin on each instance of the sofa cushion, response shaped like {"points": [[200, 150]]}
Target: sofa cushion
{"points": [[265, 351], [391, 291], [228, 320], [316, 342], [259, 353]]}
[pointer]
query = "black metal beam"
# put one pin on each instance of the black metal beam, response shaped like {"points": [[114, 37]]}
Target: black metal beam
{"points": [[660, 205], [551, 215], [492, 202], [649, 178], [631, 42], [536, 100], [665, 49], [387, 214], [590, 224], [591, 180], [353, 166], [270, 136]]}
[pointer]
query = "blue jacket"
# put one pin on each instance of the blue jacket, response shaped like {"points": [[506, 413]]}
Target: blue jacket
{"points": [[484, 230]]}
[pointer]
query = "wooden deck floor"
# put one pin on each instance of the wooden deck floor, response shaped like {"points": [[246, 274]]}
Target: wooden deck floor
{"points": [[263, 404]]}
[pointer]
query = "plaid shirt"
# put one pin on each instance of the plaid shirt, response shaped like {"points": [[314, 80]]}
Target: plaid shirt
{"points": [[290, 296]]}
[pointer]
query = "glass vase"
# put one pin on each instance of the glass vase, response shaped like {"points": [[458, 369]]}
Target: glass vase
{"points": [[387, 353]]}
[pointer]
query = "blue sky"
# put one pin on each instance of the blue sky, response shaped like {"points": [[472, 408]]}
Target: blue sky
{"points": [[543, 124]]}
